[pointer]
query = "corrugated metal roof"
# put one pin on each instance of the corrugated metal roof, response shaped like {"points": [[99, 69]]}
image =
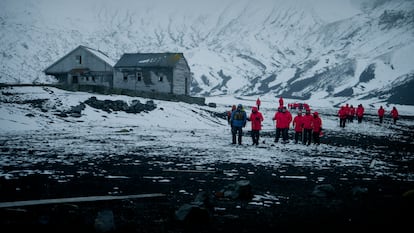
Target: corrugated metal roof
{"points": [[149, 59]]}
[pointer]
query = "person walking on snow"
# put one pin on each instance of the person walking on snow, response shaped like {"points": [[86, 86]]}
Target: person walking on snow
{"points": [[287, 120], [298, 126], [283, 118], [281, 102], [342, 113], [278, 118], [351, 113], [229, 113], [238, 122], [381, 113], [258, 102], [316, 128], [360, 113], [394, 114], [256, 119], [307, 123]]}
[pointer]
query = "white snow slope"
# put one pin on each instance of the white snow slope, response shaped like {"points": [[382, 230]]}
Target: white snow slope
{"points": [[315, 50], [30, 135]]}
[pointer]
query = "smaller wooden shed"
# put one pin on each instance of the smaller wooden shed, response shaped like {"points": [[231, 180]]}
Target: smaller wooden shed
{"points": [[153, 72], [83, 66]]}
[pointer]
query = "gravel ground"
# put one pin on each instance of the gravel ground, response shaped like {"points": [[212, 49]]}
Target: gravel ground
{"points": [[287, 198]]}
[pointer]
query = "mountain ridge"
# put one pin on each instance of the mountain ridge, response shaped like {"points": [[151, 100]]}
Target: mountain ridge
{"points": [[240, 48]]}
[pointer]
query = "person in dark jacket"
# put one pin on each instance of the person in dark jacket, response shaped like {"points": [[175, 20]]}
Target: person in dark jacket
{"points": [[238, 122], [360, 113], [256, 119]]}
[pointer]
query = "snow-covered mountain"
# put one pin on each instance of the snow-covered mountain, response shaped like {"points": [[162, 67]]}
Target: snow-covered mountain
{"points": [[336, 51]]}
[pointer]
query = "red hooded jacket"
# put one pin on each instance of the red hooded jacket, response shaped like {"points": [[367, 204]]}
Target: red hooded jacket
{"points": [[360, 111], [298, 123], [256, 118], [317, 123], [283, 119], [394, 113], [381, 112], [342, 113], [307, 121]]}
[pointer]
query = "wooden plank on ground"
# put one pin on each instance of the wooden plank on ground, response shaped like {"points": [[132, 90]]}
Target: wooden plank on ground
{"points": [[191, 171], [76, 199]]}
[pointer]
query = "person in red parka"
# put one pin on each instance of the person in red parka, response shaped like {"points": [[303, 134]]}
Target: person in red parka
{"points": [[298, 126], [394, 114], [258, 102], [256, 119], [280, 102], [283, 119], [381, 113], [278, 118], [347, 110], [342, 113], [360, 113], [307, 123], [351, 113], [316, 128]]}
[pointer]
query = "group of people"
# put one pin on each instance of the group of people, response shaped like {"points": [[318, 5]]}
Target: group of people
{"points": [[394, 114], [347, 113], [306, 127]]}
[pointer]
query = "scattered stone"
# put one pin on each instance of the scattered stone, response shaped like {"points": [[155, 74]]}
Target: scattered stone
{"points": [[104, 221], [240, 190], [324, 190], [212, 105], [359, 191], [192, 214]]}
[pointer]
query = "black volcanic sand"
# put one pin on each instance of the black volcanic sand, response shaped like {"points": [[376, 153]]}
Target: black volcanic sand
{"points": [[358, 202]]}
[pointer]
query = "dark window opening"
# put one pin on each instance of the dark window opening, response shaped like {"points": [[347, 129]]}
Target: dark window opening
{"points": [[160, 78], [125, 77], [139, 76], [79, 59]]}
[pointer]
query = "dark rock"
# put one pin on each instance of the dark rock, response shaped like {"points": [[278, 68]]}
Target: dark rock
{"points": [[239, 190], [212, 105], [104, 221], [192, 214], [324, 190]]}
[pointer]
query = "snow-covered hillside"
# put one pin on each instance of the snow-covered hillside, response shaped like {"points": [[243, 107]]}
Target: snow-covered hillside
{"points": [[30, 120], [321, 51]]}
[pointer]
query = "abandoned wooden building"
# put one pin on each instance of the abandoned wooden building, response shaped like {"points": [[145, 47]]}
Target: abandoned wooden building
{"points": [[83, 66], [153, 72], [164, 76]]}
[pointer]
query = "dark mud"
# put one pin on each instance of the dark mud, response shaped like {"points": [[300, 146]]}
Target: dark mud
{"points": [[284, 198]]}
